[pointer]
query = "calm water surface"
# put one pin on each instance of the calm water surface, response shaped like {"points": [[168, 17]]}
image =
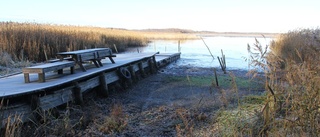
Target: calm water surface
{"points": [[194, 53]]}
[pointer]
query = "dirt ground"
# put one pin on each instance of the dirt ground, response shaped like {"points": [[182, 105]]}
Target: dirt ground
{"points": [[163, 104]]}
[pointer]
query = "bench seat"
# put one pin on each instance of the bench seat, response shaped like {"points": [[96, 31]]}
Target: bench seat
{"points": [[42, 69]]}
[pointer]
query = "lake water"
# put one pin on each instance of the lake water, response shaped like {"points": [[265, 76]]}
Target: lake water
{"points": [[194, 53]]}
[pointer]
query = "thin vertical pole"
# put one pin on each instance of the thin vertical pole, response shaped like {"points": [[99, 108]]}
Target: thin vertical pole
{"points": [[179, 48], [115, 47]]}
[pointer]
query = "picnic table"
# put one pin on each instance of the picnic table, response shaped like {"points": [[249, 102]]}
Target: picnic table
{"points": [[95, 55]]}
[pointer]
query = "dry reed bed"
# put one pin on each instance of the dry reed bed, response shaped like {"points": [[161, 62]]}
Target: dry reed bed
{"points": [[36, 42], [291, 105]]}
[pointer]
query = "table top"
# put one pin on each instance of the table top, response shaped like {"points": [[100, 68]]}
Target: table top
{"points": [[82, 51]]}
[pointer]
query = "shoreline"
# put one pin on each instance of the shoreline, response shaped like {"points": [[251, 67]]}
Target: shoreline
{"points": [[259, 35]]}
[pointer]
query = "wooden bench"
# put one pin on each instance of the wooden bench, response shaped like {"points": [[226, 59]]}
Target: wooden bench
{"points": [[42, 69]]}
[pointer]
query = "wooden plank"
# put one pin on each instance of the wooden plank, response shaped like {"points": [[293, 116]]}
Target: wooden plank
{"points": [[135, 67], [87, 56], [59, 66], [111, 77], [104, 53], [48, 67], [66, 94], [32, 70], [89, 84], [16, 113], [13, 86], [59, 97]]}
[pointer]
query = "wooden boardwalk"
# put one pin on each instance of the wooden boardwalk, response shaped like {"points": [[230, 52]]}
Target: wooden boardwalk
{"points": [[25, 98]]}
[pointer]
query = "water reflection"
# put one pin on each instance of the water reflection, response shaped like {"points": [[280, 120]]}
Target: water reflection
{"points": [[194, 53]]}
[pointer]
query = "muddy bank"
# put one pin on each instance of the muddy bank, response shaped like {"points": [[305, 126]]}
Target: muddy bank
{"points": [[168, 103]]}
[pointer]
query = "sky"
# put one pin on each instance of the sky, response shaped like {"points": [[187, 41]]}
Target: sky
{"points": [[278, 16]]}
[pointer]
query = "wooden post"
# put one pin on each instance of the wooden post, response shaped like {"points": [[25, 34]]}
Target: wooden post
{"points": [[77, 94], [150, 66], [35, 107], [42, 77], [222, 62], [179, 48], [216, 77], [26, 78], [141, 69], [103, 89], [133, 74], [155, 63]]}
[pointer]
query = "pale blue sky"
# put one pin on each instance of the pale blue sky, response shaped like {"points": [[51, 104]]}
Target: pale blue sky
{"points": [[212, 15]]}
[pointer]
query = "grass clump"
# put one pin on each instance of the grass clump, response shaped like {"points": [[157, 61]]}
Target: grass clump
{"points": [[113, 123]]}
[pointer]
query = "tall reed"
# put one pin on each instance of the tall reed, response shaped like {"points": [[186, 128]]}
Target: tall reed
{"points": [[33, 41], [293, 84]]}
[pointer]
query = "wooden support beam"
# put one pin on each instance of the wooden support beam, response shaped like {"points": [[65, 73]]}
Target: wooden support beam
{"points": [[103, 88], [133, 73], [77, 94], [141, 69], [35, 107], [151, 66], [59, 97], [155, 62]]}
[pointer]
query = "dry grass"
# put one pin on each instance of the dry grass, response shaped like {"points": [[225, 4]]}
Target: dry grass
{"points": [[34, 41], [37, 42], [295, 47], [292, 105], [10, 126], [13, 126], [115, 122]]}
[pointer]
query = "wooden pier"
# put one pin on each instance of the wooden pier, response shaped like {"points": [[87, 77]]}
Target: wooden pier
{"points": [[28, 100]]}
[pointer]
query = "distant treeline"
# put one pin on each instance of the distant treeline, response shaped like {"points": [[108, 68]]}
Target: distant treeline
{"points": [[35, 42]]}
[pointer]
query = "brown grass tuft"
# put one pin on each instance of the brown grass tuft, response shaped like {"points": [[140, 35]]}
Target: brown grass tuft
{"points": [[116, 121]]}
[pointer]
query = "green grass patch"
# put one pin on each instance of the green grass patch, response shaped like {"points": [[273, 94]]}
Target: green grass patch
{"points": [[225, 81], [254, 99], [244, 120]]}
